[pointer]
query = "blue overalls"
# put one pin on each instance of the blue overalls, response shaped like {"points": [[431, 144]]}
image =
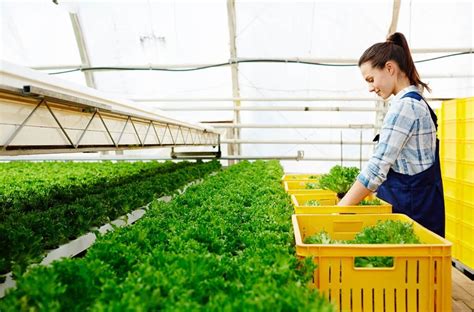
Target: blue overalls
{"points": [[419, 196]]}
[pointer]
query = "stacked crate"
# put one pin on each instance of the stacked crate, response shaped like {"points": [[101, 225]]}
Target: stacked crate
{"points": [[305, 187], [456, 134]]}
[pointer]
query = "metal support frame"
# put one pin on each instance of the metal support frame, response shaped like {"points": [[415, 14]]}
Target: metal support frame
{"points": [[136, 132], [380, 115], [299, 126], [82, 47], [395, 14], [298, 157], [59, 123], [171, 134], [342, 150], [232, 22], [271, 108], [296, 142], [181, 131], [200, 154], [14, 134], [156, 133], [107, 129], [123, 130], [146, 133], [276, 99], [61, 107], [85, 129]]}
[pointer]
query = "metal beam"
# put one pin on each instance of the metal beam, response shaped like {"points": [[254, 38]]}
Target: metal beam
{"points": [[395, 14], [231, 18], [274, 99], [272, 108], [55, 149], [296, 142], [140, 158], [300, 126], [260, 99], [81, 45]]}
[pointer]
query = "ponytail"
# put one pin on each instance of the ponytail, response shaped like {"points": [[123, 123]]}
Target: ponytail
{"points": [[395, 49]]}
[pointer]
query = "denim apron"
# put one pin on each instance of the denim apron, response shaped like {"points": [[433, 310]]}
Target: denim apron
{"points": [[419, 196]]}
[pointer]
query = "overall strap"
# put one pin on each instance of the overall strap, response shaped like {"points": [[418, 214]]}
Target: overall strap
{"points": [[415, 95]]}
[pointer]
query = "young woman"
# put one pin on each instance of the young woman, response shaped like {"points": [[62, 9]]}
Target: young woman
{"points": [[404, 169]]}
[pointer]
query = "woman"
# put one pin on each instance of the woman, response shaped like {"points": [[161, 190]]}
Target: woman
{"points": [[404, 169]]}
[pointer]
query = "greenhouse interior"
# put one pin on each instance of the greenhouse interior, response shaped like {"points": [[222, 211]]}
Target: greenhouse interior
{"points": [[236, 155]]}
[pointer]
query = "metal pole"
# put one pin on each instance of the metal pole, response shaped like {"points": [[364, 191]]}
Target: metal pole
{"points": [[360, 151], [270, 108], [231, 18], [286, 126], [342, 152], [82, 47], [289, 141]]}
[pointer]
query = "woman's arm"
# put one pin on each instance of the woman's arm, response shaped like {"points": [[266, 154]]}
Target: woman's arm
{"points": [[356, 193]]}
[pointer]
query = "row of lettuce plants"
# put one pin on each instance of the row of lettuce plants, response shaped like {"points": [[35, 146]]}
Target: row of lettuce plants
{"points": [[26, 235], [31, 186]]}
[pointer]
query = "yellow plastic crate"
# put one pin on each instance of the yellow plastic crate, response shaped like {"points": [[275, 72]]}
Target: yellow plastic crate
{"points": [[420, 279], [448, 149], [300, 177], [465, 130], [467, 233], [329, 205], [299, 187], [459, 170], [455, 247], [465, 170], [466, 213], [464, 108], [453, 233], [452, 188], [452, 206], [467, 193], [466, 254], [465, 150], [449, 110], [449, 168], [450, 130]]}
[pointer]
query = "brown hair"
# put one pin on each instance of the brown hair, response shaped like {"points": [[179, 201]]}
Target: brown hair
{"points": [[395, 49]]}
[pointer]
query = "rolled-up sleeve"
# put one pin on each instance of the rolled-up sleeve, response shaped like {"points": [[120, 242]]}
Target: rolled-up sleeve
{"points": [[396, 130]]}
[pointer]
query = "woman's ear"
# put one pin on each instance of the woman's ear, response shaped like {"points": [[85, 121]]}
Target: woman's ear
{"points": [[390, 67]]}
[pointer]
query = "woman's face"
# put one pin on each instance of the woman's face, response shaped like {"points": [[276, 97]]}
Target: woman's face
{"points": [[381, 81]]}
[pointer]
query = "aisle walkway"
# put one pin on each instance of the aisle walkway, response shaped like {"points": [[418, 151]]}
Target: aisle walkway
{"points": [[463, 292]]}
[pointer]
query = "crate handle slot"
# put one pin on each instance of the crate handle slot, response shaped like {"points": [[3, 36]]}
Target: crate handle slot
{"points": [[368, 262]]}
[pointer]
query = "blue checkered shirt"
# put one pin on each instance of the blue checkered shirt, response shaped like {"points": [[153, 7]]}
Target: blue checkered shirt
{"points": [[407, 141]]}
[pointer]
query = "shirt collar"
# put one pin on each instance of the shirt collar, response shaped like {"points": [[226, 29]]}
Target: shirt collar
{"points": [[404, 91]]}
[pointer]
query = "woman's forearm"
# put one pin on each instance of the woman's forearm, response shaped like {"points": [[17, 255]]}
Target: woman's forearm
{"points": [[356, 193]]}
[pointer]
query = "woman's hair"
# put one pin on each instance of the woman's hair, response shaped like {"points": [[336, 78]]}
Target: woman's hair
{"points": [[395, 49]]}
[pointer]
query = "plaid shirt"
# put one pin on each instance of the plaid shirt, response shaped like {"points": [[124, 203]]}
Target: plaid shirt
{"points": [[407, 141]]}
